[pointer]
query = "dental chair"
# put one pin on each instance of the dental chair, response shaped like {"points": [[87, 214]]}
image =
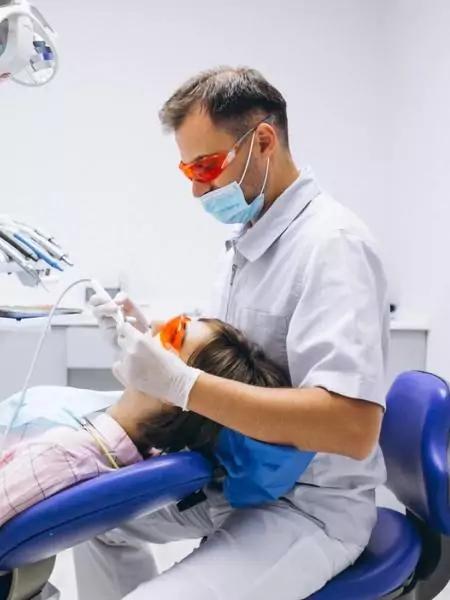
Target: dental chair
{"points": [[408, 556], [30, 541]]}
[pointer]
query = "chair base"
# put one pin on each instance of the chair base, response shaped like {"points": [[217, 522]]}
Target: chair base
{"points": [[49, 593], [401, 591], [432, 573], [29, 582]]}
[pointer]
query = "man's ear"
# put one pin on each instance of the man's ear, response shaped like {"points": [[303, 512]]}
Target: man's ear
{"points": [[266, 139]]}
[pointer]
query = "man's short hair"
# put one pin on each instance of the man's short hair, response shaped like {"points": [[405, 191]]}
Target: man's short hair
{"points": [[234, 98]]}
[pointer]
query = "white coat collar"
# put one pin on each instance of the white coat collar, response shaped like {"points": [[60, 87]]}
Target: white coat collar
{"points": [[253, 241]]}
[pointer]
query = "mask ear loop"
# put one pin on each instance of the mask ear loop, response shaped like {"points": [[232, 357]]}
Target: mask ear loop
{"points": [[248, 159], [265, 177]]}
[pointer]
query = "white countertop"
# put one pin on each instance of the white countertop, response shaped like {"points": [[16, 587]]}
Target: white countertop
{"points": [[400, 322]]}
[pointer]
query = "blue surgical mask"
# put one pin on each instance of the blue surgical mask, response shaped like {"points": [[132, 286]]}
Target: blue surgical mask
{"points": [[228, 204]]}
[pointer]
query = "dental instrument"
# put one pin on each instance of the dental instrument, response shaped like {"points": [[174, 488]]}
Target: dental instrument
{"points": [[100, 290], [52, 247], [18, 245], [40, 253], [47, 236], [29, 249], [15, 257], [8, 226]]}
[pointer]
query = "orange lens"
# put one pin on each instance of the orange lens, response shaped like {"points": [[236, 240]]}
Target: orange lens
{"points": [[173, 332], [205, 169]]}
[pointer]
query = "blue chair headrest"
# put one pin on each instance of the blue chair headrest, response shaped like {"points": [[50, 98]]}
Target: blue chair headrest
{"points": [[415, 440]]}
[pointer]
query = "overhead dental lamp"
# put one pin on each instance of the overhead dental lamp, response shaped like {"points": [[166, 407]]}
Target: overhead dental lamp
{"points": [[28, 52]]}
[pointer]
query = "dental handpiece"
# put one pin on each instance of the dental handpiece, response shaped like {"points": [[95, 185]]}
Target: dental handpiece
{"points": [[37, 250], [100, 290], [18, 245], [43, 240], [52, 248], [16, 257], [40, 232]]}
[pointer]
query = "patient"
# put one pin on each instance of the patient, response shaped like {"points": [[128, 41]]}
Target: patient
{"points": [[137, 426]]}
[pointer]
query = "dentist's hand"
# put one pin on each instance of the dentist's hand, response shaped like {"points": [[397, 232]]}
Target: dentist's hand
{"points": [[146, 366], [104, 309]]}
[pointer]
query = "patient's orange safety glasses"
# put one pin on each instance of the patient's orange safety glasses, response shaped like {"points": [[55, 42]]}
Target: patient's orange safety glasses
{"points": [[172, 333], [209, 167]]}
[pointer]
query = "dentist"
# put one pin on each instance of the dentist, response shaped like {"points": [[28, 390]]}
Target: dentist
{"points": [[301, 277]]}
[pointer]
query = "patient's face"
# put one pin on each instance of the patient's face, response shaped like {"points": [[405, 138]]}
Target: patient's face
{"points": [[197, 335]]}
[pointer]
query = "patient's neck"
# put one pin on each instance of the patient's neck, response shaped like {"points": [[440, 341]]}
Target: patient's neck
{"points": [[135, 408]]}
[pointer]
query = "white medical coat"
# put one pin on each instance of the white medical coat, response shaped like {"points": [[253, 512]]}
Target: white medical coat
{"points": [[306, 283]]}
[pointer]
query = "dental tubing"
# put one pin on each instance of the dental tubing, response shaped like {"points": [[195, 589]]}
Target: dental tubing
{"points": [[119, 318]]}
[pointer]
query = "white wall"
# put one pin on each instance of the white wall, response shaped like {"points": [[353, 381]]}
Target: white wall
{"points": [[418, 67], [85, 156], [366, 83]]}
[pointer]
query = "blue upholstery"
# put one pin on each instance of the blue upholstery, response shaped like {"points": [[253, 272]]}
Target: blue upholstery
{"points": [[415, 439], [386, 563], [92, 507]]}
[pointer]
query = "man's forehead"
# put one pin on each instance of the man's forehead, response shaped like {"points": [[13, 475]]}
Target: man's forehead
{"points": [[198, 135]]}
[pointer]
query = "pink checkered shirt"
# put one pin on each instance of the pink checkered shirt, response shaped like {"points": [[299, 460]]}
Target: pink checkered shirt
{"points": [[38, 468]]}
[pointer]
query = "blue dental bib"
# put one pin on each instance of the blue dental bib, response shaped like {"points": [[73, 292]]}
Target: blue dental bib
{"points": [[257, 472]]}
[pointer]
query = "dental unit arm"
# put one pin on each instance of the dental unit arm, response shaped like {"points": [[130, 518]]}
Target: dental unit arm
{"points": [[28, 53]]}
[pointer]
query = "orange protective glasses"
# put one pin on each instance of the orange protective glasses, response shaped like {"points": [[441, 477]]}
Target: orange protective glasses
{"points": [[209, 167], [173, 332]]}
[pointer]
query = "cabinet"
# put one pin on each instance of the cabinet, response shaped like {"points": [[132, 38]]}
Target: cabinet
{"points": [[76, 353]]}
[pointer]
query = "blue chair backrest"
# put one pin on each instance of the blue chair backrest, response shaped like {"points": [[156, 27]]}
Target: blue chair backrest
{"points": [[415, 442]]}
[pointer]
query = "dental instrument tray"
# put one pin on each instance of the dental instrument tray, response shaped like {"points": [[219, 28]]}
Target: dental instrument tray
{"points": [[32, 312]]}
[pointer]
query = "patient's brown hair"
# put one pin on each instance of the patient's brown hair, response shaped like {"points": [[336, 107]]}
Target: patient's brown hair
{"points": [[228, 353]]}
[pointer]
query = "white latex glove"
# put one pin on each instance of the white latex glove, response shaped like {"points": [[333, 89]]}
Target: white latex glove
{"points": [[147, 366], [104, 309]]}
